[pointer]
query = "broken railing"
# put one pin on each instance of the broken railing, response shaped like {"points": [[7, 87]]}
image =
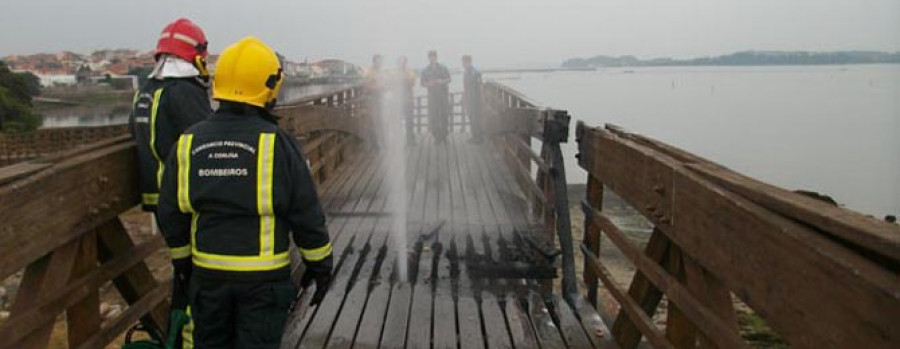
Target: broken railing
{"points": [[512, 122], [820, 275], [61, 228]]}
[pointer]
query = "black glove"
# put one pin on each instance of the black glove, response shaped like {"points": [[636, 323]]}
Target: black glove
{"points": [[320, 271], [181, 278]]}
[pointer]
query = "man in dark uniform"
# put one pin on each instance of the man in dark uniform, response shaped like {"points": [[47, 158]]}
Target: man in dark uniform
{"points": [[173, 98], [436, 78], [406, 79], [471, 100], [234, 188]]}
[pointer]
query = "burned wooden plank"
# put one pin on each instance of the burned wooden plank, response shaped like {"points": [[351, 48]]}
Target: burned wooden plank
{"points": [[520, 329], [597, 331], [470, 335], [351, 313], [302, 314], [329, 310], [547, 332], [394, 335], [495, 330], [444, 321], [570, 327], [420, 317]]}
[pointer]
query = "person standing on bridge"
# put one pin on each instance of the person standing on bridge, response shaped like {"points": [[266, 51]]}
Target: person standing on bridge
{"points": [[471, 99], [406, 79], [173, 98], [373, 93], [235, 186], [436, 78]]}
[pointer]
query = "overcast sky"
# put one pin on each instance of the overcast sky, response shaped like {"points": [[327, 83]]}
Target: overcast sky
{"points": [[497, 33]]}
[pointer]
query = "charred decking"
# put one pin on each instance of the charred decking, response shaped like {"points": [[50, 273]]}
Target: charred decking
{"points": [[472, 274]]}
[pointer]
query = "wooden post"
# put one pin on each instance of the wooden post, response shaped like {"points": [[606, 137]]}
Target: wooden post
{"points": [[680, 331], [83, 318], [592, 237], [113, 240], [643, 291], [41, 277], [556, 130]]}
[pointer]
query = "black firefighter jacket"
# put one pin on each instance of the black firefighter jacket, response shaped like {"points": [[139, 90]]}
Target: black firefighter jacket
{"points": [[162, 110], [233, 187]]}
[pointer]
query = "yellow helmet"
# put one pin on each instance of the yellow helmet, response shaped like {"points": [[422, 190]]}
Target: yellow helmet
{"points": [[248, 72]]}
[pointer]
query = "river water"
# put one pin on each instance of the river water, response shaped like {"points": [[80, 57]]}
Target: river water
{"points": [[117, 113], [830, 129]]}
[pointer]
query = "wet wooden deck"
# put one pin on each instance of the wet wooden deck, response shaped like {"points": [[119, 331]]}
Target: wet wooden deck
{"points": [[473, 272]]}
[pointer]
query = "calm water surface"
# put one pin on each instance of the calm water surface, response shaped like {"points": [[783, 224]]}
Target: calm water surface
{"points": [[830, 129], [116, 114]]}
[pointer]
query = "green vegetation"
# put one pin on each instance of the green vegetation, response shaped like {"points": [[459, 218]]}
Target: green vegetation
{"points": [[757, 332], [745, 58], [16, 90]]}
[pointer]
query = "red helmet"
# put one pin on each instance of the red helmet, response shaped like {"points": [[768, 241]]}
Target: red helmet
{"points": [[182, 38]]}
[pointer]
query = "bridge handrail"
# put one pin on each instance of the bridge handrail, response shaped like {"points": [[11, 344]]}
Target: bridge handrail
{"points": [[821, 276], [18, 147], [333, 96], [512, 122]]}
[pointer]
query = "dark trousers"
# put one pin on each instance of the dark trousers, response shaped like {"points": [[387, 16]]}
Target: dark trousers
{"points": [[438, 114], [409, 112], [476, 123], [239, 314]]}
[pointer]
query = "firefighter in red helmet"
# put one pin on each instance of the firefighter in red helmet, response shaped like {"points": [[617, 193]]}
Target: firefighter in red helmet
{"points": [[173, 99]]}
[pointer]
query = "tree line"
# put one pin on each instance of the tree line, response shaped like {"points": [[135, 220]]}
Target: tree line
{"points": [[744, 58], [16, 91]]}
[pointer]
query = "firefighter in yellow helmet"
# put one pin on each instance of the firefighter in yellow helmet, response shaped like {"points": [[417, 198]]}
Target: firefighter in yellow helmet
{"points": [[234, 187]]}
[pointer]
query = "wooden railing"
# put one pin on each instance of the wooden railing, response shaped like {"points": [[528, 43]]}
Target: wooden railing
{"points": [[512, 121], [61, 226], [820, 275], [330, 126], [18, 147], [458, 120]]}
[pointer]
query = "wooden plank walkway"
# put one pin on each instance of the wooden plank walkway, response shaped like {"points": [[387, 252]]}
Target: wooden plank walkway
{"points": [[470, 271]]}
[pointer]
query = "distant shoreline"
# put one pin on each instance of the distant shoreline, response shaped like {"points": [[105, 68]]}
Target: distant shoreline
{"points": [[744, 58]]}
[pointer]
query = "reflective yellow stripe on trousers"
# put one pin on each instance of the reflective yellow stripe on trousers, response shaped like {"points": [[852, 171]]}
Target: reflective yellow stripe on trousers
{"points": [[265, 164]]}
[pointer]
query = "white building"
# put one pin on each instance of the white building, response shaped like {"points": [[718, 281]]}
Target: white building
{"points": [[54, 80]]}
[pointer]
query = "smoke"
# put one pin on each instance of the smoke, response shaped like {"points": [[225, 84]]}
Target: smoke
{"points": [[390, 92]]}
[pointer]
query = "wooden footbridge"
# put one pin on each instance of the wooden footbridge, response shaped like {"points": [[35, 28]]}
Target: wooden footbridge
{"points": [[490, 252]]}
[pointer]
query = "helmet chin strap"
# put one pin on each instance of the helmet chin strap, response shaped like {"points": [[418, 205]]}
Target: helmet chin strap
{"points": [[271, 103], [200, 64]]}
